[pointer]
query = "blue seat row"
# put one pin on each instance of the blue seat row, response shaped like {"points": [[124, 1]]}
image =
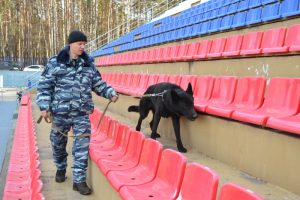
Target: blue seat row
{"points": [[203, 19]]}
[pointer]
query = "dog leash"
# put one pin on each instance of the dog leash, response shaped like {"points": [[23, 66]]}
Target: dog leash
{"points": [[161, 94], [48, 119]]}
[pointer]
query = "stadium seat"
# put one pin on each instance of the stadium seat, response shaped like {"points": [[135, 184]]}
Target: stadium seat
{"points": [[251, 43], [175, 79], [144, 172], [186, 79], [289, 8], [239, 19], [162, 78], [289, 124], [226, 22], [191, 51], [273, 41], [230, 191], [153, 78], [199, 182], [233, 46], [270, 12], [203, 49], [217, 47], [214, 25], [249, 95], [166, 184], [142, 86], [281, 100], [202, 91], [222, 93], [253, 16], [181, 52], [292, 40], [243, 5], [131, 157]]}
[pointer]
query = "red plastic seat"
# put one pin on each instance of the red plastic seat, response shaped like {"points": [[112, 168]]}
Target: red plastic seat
{"points": [[292, 40], [162, 78], [145, 170], [223, 92], [181, 52], [252, 43], [233, 46], [134, 84], [217, 47], [249, 95], [131, 157], [165, 52], [175, 79], [173, 53], [117, 150], [142, 85], [202, 91], [199, 182], [192, 48], [186, 79], [281, 100], [203, 49], [289, 124], [153, 78], [167, 182], [273, 41], [232, 191]]}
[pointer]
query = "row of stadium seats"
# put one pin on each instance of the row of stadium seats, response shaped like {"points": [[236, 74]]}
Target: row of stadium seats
{"points": [[273, 41], [201, 20], [244, 99], [22, 181], [139, 168]]}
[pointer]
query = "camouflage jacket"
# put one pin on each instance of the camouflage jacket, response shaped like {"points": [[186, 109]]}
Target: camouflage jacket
{"points": [[66, 85]]}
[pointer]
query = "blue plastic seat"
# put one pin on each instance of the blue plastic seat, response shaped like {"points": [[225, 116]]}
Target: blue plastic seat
{"points": [[254, 3], [205, 16], [270, 12], [226, 22], [222, 11], [253, 16], [213, 14], [243, 5], [232, 8], [204, 27], [239, 19], [214, 25], [289, 8]]}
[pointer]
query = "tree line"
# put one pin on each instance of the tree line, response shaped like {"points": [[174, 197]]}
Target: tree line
{"points": [[34, 30]]}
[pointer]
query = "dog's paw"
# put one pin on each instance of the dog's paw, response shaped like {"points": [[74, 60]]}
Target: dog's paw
{"points": [[182, 149], [157, 135], [153, 136]]}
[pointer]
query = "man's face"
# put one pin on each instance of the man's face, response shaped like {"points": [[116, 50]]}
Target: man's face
{"points": [[77, 48]]}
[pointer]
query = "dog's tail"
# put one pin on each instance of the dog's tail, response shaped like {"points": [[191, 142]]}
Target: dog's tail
{"points": [[133, 109]]}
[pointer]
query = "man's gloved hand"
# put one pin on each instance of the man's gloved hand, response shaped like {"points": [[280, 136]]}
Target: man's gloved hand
{"points": [[44, 113], [114, 98]]}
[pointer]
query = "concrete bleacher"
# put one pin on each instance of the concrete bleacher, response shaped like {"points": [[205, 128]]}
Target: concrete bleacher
{"points": [[245, 54]]}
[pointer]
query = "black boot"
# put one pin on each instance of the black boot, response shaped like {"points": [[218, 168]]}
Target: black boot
{"points": [[82, 188], [60, 176]]}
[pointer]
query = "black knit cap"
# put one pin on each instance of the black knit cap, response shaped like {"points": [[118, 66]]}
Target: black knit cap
{"points": [[76, 36]]}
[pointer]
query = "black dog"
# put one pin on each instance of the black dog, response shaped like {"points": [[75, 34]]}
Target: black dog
{"points": [[166, 100]]}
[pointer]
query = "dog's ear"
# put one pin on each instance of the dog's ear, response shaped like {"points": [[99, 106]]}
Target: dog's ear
{"points": [[189, 89]]}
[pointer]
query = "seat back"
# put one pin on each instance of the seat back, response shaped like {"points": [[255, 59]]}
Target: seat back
{"points": [[203, 87], [273, 38], [204, 48], [232, 191], [135, 145], [171, 169], [153, 78], [233, 44], [217, 47], [199, 182], [283, 96], [223, 90], [162, 78], [150, 156], [186, 79], [175, 79], [250, 92], [252, 41], [293, 38]]}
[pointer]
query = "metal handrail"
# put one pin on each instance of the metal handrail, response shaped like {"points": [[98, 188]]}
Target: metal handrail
{"points": [[114, 33]]}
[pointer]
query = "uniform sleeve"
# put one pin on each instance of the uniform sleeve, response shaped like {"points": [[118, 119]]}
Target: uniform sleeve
{"points": [[45, 88], [100, 87]]}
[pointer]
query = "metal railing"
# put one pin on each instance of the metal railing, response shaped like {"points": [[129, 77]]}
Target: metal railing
{"points": [[149, 14]]}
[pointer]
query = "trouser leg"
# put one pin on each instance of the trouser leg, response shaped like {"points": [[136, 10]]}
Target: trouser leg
{"points": [[81, 125], [59, 142]]}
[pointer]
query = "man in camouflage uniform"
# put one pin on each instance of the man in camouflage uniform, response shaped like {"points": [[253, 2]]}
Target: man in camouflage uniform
{"points": [[65, 90]]}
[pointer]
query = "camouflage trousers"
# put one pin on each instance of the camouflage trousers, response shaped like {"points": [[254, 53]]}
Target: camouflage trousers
{"points": [[80, 124]]}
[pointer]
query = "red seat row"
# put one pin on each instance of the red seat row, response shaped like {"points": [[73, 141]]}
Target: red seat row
{"points": [[272, 41], [139, 168], [22, 181], [244, 99]]}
